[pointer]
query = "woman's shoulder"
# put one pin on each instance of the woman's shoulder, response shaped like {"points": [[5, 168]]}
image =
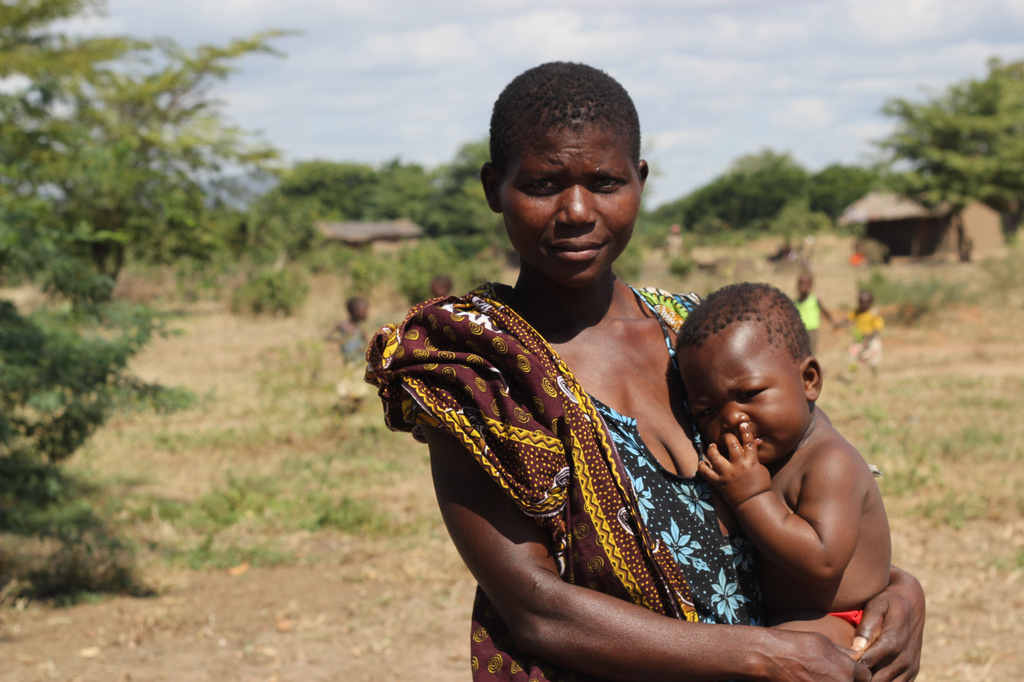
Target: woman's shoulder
{"points": [[485, 297], [672, 308]]}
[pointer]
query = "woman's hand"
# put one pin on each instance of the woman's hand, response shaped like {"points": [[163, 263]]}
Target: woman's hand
{"points": [[892, 630], [807, 655]]}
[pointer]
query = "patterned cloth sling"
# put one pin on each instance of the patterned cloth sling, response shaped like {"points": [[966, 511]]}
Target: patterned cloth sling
{"points": [[472, 367]]}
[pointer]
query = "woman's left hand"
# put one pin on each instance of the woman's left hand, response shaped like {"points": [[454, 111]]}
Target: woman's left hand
{"points": [[892, 630]]}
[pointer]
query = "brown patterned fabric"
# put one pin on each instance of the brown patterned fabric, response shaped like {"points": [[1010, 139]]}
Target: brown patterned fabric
{"points": [[474, 368]]}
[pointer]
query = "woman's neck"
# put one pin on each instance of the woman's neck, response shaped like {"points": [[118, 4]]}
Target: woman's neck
{"points": [[560, 313]]}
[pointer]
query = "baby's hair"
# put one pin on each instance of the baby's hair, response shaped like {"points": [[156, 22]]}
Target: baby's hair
{"points": [[560, 95], [748, 302]]}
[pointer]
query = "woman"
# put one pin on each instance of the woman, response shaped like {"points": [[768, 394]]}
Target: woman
{"points": [[564, 509]]}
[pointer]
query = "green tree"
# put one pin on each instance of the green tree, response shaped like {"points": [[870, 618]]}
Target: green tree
{"points": [[797, 220], [39, 65], [748, 196], [403, 191], [837, 186], [461, 209], [144, 155], [340, 191], [357, 191], [965, 144], [119, 137], [109, 149], [447, 202]]}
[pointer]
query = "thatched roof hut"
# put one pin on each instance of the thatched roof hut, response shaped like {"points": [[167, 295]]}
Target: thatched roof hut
{"points": [[383, 233], [910, 229]]}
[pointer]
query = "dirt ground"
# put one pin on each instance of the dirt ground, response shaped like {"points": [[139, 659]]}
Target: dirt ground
{"points": [[370, 611], [355, 621]]}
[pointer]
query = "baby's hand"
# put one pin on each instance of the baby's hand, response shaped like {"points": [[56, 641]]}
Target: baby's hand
{"points": [[739, 475]]}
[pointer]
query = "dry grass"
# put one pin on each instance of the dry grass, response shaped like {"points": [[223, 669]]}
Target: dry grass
{"points": [[289, 539]]}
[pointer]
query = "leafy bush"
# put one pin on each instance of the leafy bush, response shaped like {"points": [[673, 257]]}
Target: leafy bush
{"points": [[914, 299], [202, 279], [682, 265], [1006, 277], [431, 257], [420, 264], [278, 292], [796, 220], [61, 376], [874, 251]]}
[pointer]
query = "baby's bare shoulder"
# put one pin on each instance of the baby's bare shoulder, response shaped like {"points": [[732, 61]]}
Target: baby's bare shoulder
{"points": [[826, 453]]}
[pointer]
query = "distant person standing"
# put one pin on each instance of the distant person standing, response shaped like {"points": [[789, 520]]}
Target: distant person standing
{"points": [[349, 333], [867, 326], [810, 308], [674, 241]]}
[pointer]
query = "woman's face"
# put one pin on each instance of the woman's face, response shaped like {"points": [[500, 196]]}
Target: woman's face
{"points": [[569, 200]]}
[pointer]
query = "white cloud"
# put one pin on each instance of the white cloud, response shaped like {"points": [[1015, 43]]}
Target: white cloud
{"points": [[431, 46], [906, 21], [712, 79], [559, 34], [805, 113], [686, 138]]}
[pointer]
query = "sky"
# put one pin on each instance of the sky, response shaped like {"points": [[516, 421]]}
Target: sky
{"points": [[712, 80]]}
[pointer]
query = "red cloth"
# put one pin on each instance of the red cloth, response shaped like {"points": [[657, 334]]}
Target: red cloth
{"points": [[851, 617]]}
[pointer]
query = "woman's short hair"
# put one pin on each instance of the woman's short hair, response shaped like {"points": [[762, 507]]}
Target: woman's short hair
{"points": [[560, 95]]}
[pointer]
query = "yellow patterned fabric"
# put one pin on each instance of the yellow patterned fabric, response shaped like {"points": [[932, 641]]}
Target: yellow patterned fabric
{"points": [[472, 367]]}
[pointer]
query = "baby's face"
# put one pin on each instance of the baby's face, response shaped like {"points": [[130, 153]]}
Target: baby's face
{"points": [[738, 377]]}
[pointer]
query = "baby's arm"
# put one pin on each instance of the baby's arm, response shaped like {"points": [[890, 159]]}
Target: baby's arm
{"points": [[815, 541]]}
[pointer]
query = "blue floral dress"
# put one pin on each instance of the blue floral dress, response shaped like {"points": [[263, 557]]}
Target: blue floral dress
{"points": [[679, 512]]}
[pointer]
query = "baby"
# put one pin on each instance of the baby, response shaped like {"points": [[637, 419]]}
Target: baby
{"points": [[798, 489]]}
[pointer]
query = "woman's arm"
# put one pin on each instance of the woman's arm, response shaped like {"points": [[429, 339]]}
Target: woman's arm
{"points": [[893, 630], [593, 633]]}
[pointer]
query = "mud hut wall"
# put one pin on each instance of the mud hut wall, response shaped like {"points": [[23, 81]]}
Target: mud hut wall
{"points": [[910, 236], [984, 227]]}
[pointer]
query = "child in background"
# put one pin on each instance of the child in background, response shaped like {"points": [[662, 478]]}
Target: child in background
{"points": [[440, 286], [810, 308], [351, 388], [349, 333], [798, 489], [867, 325]]}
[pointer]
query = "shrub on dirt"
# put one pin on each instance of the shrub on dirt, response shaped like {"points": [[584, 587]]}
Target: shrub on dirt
{"points": [[1006, 277], [874, 251], [277, 292], [682, 265], [418, 265], [912, 300], [56, 545]]}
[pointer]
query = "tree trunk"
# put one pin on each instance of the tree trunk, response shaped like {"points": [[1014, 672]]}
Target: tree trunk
{"points": [[1011, 219], [108, 256]]}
